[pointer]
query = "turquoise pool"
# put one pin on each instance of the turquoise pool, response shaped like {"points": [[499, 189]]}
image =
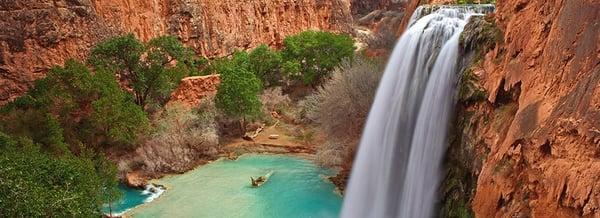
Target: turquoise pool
{"points": [[222, 189]]}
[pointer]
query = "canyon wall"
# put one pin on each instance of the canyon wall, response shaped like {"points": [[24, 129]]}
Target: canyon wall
{"points": [[38, 34], [534, 143], [363, 7]]}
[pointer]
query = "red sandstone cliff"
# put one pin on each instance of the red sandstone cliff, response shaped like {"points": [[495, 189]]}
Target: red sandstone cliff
{"points": [[547, 162], [534, 145], [192, 90], [37, 34]]}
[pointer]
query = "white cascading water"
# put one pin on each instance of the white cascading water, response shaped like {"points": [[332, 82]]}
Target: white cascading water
{"points": [[398, 166]]}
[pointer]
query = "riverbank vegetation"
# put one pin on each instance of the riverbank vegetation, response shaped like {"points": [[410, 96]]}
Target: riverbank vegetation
{"points": [[54, 141]]}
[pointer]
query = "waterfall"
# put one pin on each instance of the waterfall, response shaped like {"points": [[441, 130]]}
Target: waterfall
{"points": [[397, 169]]}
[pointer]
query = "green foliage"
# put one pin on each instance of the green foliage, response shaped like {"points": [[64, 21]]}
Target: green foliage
{"points": [[72, 105], [265, 64], [36, 184], [469, 90], [481, 34], [53, 136], [237, 95], [115, 117], [109, 183], [458, 187], [311, 55], [152, 69], [118, 119]]}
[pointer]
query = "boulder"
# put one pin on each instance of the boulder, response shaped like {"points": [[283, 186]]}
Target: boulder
{"points": [[135, 180]]}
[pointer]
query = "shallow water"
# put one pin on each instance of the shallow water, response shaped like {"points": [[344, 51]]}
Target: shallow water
{"points": [[132, 198], [222, 189]]}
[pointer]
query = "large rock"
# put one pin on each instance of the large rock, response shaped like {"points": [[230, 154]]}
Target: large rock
{"points": [[37, 34], [135, 180], [192, 90]]}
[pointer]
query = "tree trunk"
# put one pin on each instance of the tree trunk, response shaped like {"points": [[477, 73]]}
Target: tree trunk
{"points": [[110, 209], [243, 126]]}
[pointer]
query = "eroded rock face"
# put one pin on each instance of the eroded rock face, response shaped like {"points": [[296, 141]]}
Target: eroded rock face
{"points": [[192, 90], [217, 28], [37, 34], [363, 7], [542, 123]]}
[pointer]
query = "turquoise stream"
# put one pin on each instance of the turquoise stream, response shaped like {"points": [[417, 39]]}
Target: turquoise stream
{"points": [[222, 189]]}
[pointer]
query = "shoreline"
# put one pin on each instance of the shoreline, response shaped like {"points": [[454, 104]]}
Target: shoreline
{"points": [[305, 156]]}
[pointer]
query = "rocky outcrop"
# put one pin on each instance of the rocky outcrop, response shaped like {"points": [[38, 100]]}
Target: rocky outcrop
{"points": [[192, 90], [363, 7], [538, 132], [135, 180], [36, 35]]}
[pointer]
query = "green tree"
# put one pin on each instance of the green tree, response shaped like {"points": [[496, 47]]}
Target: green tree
{"points": [[151, 69], [37, 184], [71, 106], [311, 55], [265, 64], [115, 118], [237, 95]]}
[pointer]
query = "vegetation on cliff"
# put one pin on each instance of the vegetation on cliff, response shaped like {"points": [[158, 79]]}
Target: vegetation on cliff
{"points": [[70, 117], [467, 151], [75, 106], [310, 56], [152, 70]]}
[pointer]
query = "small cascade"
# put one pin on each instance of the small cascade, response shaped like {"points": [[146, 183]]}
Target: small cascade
{"points": [[133, 198], [397, 170], [153, 191]]}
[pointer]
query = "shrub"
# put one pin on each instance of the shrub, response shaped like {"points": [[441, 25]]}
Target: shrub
{"points": [[273, 99], [182, 137], [310, 56], [481, 34], [331, 154], [341, 106], [308, 112], [343, 103]]}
